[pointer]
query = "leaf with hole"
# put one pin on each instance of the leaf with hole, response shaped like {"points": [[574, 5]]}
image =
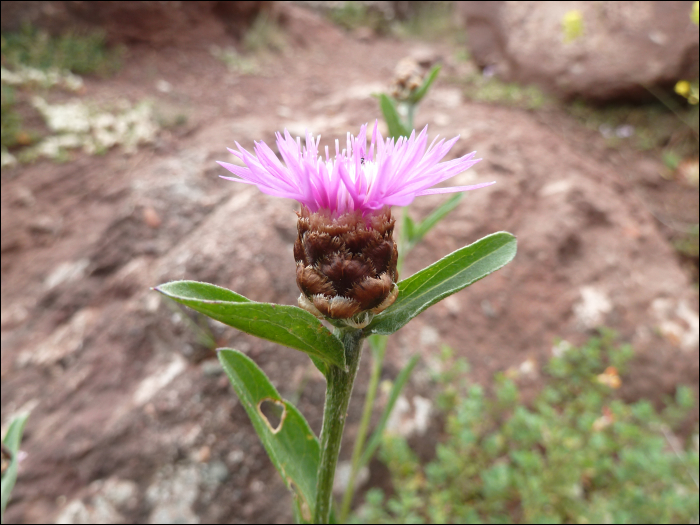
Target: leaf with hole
{"points": [[450, 274], [287, 325], [11, 441], [285, 434]]}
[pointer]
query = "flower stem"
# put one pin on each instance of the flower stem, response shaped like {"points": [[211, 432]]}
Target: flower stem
{"points": [[338, 391], [409, 117], [377, 362]]}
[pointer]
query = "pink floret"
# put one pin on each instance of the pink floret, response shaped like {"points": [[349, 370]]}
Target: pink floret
{"points": [[357, 177]]}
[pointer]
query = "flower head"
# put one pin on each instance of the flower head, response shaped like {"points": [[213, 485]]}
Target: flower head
{"points": [[357, 178], [345, 252]]}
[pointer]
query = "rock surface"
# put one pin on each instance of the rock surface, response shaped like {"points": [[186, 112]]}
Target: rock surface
{"points": [[155, 23], [622, 47]]}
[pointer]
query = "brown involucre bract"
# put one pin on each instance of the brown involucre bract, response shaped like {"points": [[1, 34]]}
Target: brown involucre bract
{"points": [[346, 265]]}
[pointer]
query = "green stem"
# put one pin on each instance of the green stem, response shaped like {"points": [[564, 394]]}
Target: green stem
{"points": [[409, 117], [377, 362], [338, 391]]}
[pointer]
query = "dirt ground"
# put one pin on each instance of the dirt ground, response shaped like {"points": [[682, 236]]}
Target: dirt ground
{"points": [[132, 419]]}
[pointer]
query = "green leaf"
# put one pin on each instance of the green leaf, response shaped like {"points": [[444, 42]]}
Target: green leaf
{"points": [[291, 445], [376, 438], [423, 89], [11, 441], [287, 325], [431, 220], [443, 278], [203, 291], [393, 121], [321, 365], [409, 227]]}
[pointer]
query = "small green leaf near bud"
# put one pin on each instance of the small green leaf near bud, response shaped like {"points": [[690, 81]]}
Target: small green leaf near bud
{"points": [[418, 232], [418, 95]]}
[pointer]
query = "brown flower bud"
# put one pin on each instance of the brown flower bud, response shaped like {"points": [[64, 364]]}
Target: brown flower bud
{"points": [[408, 77], [346, 265]]}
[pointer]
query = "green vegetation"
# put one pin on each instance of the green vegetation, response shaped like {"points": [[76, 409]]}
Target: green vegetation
{"points": [[577, 455], [236, 62], [423, 20], [11, 121], [483, 88], [352, 15], [265, 34], [687, 245], [81, 54], [432, 21]]}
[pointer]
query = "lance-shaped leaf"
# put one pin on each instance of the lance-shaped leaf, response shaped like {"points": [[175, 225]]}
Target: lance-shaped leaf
{"points": [[392, 118], [287, 325], [416, 233], [288, 439], [447, 276], [11, 442], [416, 97]]}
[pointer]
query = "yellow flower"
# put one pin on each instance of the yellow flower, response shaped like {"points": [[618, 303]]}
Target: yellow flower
{"points": [[572, 26], [682, 88]]}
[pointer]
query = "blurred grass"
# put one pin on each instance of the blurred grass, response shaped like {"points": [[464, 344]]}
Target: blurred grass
{"points": [[265, 34], [11, 120], [491, 90], [353, 15], [430, 21], [82, 54]]}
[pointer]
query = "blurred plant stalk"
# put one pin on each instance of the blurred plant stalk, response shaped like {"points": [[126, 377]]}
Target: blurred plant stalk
{"points": [[409, 86]]}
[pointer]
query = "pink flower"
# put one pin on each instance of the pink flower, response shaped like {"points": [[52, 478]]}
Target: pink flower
{"points": [[355, 179]]}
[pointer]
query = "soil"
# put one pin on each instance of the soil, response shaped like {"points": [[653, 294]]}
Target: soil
{"points": [[132, 419]]}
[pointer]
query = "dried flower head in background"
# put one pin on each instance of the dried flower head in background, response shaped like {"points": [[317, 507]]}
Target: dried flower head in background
{"points": [[345, 252], [408, 77]]}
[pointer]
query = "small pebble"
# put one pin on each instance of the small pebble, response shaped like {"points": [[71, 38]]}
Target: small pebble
{"points": [[151, 218]]}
